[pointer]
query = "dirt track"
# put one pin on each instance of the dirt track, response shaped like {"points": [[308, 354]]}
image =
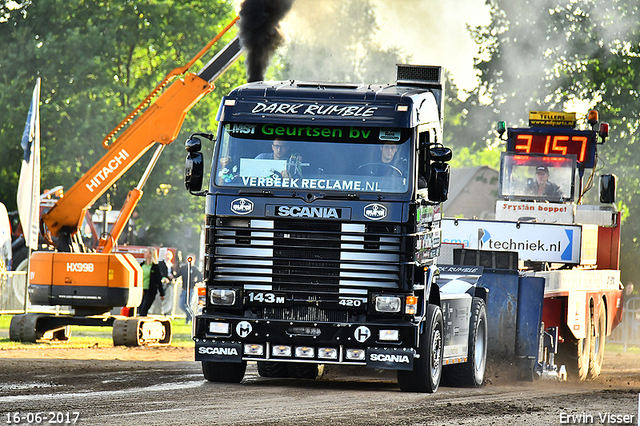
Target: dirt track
{"points": [[163, 386]]}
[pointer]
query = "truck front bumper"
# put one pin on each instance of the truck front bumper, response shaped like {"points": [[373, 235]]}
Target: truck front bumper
{"points": [[383, 345]]}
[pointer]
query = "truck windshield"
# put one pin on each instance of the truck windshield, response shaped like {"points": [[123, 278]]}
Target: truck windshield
{"points": [[540, 178], [326, 158]]}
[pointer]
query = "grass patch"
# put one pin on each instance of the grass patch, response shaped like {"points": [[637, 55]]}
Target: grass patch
{"points": [[84, 336], [619, 348]]}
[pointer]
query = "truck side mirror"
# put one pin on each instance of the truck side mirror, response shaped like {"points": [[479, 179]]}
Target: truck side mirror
{"points": [[194, 171], [438, 186], [438, 182], [194, 164], [440, 154], [608, 189]]}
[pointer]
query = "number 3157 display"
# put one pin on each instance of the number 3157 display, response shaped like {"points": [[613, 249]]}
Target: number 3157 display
{"points": [[579, 143]]}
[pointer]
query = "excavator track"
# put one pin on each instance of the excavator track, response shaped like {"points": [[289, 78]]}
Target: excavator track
{"points": [[136, 331], [141, 331]]}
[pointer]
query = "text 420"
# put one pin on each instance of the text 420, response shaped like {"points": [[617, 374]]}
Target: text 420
{"points": [[265, 298]]}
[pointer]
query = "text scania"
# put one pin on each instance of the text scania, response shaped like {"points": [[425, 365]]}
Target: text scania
{"points": [[389, 358], [334, 184], [111, 167], [315, 109], [217, 351], [295, 211]]}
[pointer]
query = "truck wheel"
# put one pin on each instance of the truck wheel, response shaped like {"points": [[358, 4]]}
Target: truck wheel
{"points": [[303, 371], [272, 369], [597, 356], [585, 349], [471, 373], [225, 372], [427, 370], [575, 353]]}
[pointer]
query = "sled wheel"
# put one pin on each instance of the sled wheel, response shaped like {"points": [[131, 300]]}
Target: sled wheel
{"points": [[600, 333], [575, 353]]}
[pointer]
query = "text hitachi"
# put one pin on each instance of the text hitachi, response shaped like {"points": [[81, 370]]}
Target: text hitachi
{"points": [[111, 167]]}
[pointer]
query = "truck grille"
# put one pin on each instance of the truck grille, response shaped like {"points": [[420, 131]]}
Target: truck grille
{"points": [[305, 313], [304, 256]]}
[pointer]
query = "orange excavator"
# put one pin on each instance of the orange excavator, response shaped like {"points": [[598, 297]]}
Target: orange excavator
{"points": [[92, 283]]}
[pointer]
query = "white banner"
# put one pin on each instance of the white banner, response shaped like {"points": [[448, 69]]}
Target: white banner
{"points": [[29, 185], [538, 242]]}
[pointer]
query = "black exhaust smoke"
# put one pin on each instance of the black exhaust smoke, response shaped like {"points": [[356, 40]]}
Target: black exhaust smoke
{"points": [[259, 33]]}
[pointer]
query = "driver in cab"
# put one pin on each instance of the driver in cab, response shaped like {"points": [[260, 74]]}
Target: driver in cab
{"points": [[281, 151], [541, 186], [390, 164]]}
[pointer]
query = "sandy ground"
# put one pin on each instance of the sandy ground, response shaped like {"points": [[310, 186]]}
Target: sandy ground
{"points": [[164, 386], [620, 368], [118, 353]]}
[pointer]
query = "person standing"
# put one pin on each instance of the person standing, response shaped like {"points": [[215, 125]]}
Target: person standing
{"points": [[196, 276], [167, 273], [151, 280]]}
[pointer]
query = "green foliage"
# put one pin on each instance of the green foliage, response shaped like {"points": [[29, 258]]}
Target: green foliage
{"points": [[543, 53], [97, 61]]}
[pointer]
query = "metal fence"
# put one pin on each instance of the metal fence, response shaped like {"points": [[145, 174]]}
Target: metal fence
{"points": [[627, 332], [13, 290]]}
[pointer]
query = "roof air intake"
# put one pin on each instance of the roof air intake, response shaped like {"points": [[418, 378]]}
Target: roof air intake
{"points": [[419, 75]]}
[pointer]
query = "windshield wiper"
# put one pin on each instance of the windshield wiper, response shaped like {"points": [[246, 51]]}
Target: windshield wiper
{"points": [[266, 192]]}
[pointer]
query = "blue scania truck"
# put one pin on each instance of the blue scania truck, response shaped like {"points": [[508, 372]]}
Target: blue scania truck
{"points": [[323, 217]]}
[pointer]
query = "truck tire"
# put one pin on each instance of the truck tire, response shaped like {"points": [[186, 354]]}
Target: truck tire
{"points": [[427, 369], [600, 328], [224, 372], [272, 369], [303, 371], [471, 373], [575, 353]]}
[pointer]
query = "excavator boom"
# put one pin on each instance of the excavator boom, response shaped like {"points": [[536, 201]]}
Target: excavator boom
{"points": [[93, 283], [159, 123]]}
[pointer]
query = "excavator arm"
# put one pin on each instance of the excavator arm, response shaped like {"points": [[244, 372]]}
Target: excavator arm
{"points": [[93, 283], [160, 123]]}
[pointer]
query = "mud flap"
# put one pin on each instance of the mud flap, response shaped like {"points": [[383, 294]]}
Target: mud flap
{"points": [[390, 359], [219, 351]]}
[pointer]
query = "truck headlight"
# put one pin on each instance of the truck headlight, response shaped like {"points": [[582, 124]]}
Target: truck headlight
{"points": [[219, 328], [388, 304], [224, 297], [389, 335]]}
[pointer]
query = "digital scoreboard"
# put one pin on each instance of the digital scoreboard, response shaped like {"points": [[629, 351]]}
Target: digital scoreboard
{"points": [[553, 133], [556, 142]]}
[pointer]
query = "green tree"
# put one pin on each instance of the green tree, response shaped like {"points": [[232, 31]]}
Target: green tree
{"points": [[97, 61], [542, 53]]}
